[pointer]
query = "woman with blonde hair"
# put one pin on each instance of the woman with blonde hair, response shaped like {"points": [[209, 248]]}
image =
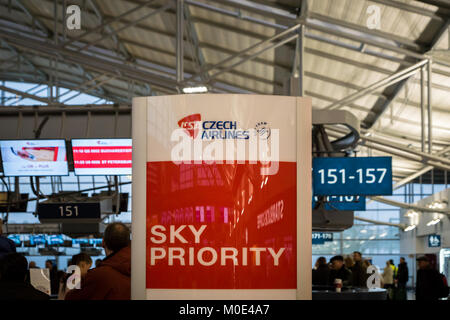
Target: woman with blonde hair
{"points": [[349, 263]]}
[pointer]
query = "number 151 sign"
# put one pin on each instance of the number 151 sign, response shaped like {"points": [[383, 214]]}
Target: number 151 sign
{"points": [[352, 176]]}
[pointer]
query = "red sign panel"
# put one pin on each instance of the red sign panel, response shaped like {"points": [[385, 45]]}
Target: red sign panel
{"points": [[102, 157], [220, 226]]}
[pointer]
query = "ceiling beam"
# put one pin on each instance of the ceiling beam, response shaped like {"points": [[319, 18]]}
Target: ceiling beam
{"points": [[392, 92], [49, 33], [411, 8], [25, 94], [443, 4], [127, 55]]}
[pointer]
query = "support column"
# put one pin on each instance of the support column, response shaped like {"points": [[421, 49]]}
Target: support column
{"points": [[179, 40], [430, 117], [422, 106], [301, 69], [296, 84]]}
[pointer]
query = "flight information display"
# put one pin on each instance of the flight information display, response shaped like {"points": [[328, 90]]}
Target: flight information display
{"points": [[102, 156], [34, 157]]}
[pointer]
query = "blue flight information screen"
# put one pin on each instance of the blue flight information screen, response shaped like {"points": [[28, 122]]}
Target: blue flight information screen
{"points": [[352, 176]]}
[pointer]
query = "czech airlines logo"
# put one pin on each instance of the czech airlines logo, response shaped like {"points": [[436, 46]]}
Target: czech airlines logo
{"points": [[191, 124], [212, 129]]}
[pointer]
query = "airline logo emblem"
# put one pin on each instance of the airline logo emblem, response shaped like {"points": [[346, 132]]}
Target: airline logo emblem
{"points": [[191, 124], [211, 130]]}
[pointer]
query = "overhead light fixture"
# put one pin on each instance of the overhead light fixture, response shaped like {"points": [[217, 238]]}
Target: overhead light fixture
{"points": [[413, 217], [409, 228], [437, 205], [199, 89], [411, 214], [433, 222]]}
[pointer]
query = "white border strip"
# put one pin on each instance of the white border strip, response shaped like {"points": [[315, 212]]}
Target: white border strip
{"points": [[304, 193], [221, 294], [139, 191]]}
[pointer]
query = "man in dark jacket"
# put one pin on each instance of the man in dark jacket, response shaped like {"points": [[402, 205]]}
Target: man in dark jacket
{"points": [[402, 272], [321, 272], [111, 280], [359, 273], [339, 271], [6, 245], [429, 281], [401, 279], [13, 270]]}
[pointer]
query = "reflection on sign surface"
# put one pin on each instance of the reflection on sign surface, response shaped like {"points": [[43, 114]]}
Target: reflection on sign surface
{"points": [[231, 229]]}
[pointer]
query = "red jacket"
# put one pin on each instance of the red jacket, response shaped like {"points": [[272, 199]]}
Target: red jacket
{"points": [[111, 280]]}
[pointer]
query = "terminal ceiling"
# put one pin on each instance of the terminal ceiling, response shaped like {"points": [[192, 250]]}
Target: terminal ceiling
{"points": [[120, 53]]}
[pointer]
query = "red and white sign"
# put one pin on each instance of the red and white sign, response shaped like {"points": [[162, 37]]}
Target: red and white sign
{"points": [[102, 156], [225, 227]]}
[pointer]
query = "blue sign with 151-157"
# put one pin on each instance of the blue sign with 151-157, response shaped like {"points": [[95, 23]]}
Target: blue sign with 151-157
{"points": [[352, 176]]}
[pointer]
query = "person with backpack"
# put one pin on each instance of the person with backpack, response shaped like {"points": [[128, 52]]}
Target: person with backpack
{"points": [[430, 283]]}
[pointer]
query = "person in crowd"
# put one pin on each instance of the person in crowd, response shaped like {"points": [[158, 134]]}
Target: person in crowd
{"points": [[359, 273], [13, 271], [321, 272], [31, 265], [401, 279], [394, 268], [111, 280], [6, 245], [366, 263], [429, 281], [339, 271], [84, 262], [388, 279], [349, 263], [54, 281]]}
